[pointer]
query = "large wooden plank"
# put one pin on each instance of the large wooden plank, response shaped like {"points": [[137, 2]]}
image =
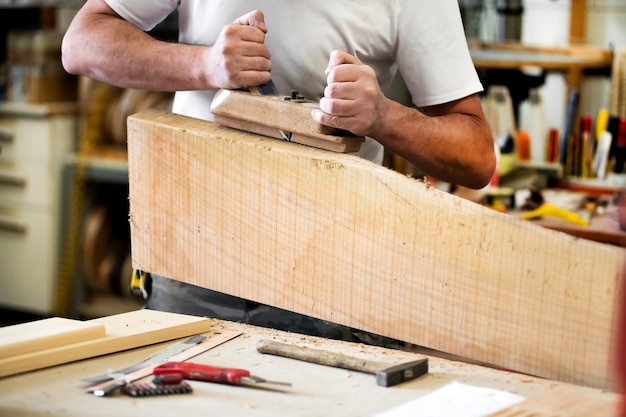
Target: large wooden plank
{"points": [[123, 331], [340, 238]]}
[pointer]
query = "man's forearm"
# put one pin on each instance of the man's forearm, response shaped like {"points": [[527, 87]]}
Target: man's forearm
{"points": [[453, 147], [119, 54]]}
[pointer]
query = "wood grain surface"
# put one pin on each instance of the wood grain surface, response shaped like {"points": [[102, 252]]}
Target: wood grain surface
{"points": [[123, 331], [44, 334], [339, 238]]}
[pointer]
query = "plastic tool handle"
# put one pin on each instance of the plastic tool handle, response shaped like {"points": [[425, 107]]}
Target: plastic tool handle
{"points": [[201, 372]]}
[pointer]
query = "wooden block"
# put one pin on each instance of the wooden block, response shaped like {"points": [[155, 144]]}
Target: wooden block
{"points": [[266, 114], [123, 331], [343, 239], [45, 334]]}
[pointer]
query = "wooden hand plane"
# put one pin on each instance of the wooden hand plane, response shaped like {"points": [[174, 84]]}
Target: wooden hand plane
{"points": [[282, 117]]}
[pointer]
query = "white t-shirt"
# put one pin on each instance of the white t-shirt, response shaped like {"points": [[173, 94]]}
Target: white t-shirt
{"points": [[423, 39]]}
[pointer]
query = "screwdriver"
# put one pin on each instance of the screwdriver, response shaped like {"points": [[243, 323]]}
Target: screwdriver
{"points": [[207, 373]]}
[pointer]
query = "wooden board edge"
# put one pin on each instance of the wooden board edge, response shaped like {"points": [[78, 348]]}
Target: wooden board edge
{"points": [[245, 109], [78, 331], [339, 144], [102, 346]]}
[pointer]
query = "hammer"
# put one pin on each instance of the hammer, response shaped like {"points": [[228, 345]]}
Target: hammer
{"points": [[386, 376]]}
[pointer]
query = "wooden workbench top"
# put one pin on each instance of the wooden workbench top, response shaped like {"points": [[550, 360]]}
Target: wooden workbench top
{"points": [[317, 390]]}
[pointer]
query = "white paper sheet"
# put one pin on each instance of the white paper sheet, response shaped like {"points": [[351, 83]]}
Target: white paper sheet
{"points": [[456, 400]]}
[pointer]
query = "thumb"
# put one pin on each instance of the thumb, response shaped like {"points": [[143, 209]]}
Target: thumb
{"points": [[254, 18], [339, 58]]}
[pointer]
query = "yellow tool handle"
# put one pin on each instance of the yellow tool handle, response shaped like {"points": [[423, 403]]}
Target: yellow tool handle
{"points": [[551, 210], [138, 283]]}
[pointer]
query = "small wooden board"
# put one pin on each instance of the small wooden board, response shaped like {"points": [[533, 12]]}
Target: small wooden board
{"points": [[268, 114], [44, 334], [123, 331]]}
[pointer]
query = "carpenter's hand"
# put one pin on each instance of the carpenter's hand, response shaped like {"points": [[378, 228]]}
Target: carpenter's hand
{"points": [[352, 99], [240, 57]]}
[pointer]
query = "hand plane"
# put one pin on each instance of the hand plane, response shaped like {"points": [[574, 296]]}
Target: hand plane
{"points": [[279, 116]]}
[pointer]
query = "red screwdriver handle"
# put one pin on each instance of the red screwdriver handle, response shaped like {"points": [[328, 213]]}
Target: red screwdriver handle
{"points": [[200, 372]]}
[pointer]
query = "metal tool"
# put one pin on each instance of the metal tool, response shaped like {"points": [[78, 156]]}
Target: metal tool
{"points": [[266, 89], [207, 373], [270, 89], [386, 376], [109, 387], [106, 387], [159, 357]]}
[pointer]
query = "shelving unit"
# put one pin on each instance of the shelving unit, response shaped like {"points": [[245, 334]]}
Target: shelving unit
{"points": [[574, 61], [34, 141]]}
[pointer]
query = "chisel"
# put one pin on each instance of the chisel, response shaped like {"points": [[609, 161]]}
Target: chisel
{"points": [[208, 373]]}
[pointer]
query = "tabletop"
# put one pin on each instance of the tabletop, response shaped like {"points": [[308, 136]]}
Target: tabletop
{"points": [[316, 389]]}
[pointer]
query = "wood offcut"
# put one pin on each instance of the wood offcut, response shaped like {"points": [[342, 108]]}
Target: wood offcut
{"points": [[119, 332]]}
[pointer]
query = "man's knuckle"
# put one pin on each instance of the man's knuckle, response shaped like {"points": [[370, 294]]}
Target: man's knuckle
{"points": [[371, 92], [228, 49], [333, 106], [333, 89], [229, 30]]}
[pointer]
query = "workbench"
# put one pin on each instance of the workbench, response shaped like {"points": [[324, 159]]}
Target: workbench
{"points": [[316, 390]]}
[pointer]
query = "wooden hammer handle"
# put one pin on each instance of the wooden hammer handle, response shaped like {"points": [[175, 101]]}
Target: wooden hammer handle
{"points": [[319, 356]]}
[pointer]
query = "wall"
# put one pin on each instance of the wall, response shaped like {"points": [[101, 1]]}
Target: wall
{"points": [[546, 22], [606, 26], [606, 22]]}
